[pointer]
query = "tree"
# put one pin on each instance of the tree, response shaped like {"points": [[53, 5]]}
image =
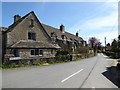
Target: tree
{"points": [[119, 37], [108, 44], [114, 46], [95, 44]]}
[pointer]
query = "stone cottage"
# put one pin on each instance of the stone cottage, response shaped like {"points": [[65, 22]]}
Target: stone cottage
{"points": [[64, 39], [28, 39]]}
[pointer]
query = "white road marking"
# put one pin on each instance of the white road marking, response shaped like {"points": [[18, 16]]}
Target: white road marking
{"points": [[93, 88], [71, 75]]}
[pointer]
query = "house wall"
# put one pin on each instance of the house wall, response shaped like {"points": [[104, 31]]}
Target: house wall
{"points": [[26, 54], [20, 32], [26, 58]]}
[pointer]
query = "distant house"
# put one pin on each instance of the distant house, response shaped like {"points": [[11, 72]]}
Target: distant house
{"points": [[27, 38]]}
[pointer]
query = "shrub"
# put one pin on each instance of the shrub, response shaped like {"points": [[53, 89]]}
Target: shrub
{"points": [[62, 52], [82, 49]]}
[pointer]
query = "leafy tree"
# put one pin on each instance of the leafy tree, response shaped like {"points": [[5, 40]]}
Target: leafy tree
{"points": [[108, 44], [119, 37], [95, 44], [108, 47], [114, 46]]}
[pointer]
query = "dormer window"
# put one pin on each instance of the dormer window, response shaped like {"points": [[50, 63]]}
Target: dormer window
{"points": [[53, 36], [31, 36], [64, 37], [31, 22]]}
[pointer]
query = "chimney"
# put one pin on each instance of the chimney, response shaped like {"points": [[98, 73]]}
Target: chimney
{"points": [[62, 28], [77, 34], [16, 18]]}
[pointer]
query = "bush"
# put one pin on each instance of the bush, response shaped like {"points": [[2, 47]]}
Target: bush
{"points": [[82, 49], [62, 52], [99, 51]]}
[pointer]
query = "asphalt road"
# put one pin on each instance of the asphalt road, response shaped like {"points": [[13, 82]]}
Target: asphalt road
{"points": [[85, 73]]}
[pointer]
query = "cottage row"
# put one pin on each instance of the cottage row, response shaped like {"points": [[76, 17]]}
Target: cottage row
{"points": [[28, 38]]}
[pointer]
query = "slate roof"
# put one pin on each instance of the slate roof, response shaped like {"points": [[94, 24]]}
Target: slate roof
{"points": [[33, 44], [48, 30], [58, 33]]}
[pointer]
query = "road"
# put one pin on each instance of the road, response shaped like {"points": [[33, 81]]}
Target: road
{"points": [[87, 73]]}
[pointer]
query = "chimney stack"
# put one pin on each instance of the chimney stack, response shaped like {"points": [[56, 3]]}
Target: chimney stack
{"points": [[16, 18], [77, 34], [62, 28]]}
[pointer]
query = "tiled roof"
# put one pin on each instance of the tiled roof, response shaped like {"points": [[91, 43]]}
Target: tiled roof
{"points": [[58, 33], [33, 44]]}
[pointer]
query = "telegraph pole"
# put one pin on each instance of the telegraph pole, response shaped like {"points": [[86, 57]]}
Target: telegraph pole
{"points": [[105, 44]]}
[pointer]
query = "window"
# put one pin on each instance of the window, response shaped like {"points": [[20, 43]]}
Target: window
{"points": [[31, 36], [41, 52], [16, 52], [51, 51], [53, 36], [64, 37], [37, 52], [31, 22], [32, 52]]}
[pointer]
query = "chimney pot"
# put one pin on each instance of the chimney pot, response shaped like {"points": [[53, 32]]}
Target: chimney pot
{"points": [[16, 18], [77, 34], [62, 28]]}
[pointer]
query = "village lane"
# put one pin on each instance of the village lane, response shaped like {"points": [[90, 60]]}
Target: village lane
{"points": [[86, 73]]}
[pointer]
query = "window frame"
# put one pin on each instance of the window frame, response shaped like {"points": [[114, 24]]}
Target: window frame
{"points": [[32, 36], [37, 53]]}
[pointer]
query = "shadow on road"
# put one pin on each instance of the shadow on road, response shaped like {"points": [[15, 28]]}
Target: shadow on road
{"points": [[113, 74]]}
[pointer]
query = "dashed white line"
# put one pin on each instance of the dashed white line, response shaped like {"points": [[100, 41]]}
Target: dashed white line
{"points": [[93, 88], [71, 75]]}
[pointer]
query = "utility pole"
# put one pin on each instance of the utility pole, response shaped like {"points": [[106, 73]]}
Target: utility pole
{"points": [[118, 46], [105, 44]]}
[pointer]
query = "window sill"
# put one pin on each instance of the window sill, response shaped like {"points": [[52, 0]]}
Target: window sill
{"points": [[36, 55]]}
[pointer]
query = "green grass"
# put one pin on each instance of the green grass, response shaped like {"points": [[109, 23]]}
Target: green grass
{"points": [[17, 66], [13, 66], [38, 63]]}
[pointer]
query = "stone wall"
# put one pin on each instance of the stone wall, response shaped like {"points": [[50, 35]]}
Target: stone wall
{"points": [[26, 58], [28, 61]]}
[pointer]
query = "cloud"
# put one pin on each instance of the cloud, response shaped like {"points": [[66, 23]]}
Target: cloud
{"points": [[100, 24], [108, 19]]}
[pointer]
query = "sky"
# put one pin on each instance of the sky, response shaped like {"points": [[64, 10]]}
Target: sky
{"points": [[89, 19]]}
